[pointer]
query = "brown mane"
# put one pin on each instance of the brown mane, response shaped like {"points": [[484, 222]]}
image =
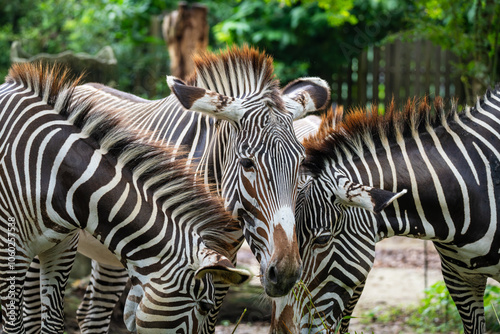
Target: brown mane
{"points": [[171, 182], [361, 127], [235, 71], [45, 81]]}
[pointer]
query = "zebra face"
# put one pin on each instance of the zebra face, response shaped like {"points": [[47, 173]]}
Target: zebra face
{"points": [[185, 298], [264, 187], [335, 224], [258, 158]]}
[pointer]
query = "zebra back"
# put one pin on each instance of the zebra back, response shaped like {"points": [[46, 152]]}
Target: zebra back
{"points": [[69, 166]]}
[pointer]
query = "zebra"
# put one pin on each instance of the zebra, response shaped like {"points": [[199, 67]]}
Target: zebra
{"points": [[253, 157], [422, 173], [67, 166], [214, 143], [307, 126]]}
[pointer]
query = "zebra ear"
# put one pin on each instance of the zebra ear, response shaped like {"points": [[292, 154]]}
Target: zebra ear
{"points": [[221, 269], [369, 198], [306, 95], [205, 101]]}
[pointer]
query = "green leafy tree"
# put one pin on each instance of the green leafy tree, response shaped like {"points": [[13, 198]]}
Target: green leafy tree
{"points": [[53, 26], [470, 29], [302, 36]]}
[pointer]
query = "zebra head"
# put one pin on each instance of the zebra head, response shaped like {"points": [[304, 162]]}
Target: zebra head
{"points": [[186, 295], [256, 156], [337, 247]]}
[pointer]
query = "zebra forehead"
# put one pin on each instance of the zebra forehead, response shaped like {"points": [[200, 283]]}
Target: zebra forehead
{"points": [[271, 140]]}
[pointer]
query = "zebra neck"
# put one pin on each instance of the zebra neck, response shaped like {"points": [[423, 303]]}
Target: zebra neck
{"points": [[214, 159]]}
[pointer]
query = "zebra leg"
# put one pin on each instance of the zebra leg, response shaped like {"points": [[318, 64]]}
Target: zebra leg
{"points": [[55, 266], [468, 295], [103, 292], [346, 314], [32, 311], [13, 270]]}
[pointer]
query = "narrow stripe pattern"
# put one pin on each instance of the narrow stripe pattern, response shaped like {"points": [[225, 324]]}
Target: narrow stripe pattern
{"points": [[261, 195], [67, 166], [448, 162]]}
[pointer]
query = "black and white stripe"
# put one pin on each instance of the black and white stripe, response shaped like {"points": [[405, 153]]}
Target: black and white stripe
{"points": [[442, 166], [66, 166], [260, 129]]}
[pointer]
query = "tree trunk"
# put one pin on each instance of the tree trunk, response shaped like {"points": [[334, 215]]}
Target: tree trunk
{"points": [[185, 31]]}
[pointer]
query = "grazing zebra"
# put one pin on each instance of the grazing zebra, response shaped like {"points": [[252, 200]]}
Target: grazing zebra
{"points": [[248, 150], [442, 166], [61, 172]]}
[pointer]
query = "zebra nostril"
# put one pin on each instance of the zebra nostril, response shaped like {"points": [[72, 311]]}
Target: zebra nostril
{"points": [[272, 274]]}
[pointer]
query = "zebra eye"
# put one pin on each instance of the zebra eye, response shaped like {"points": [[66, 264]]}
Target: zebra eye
{"points": [[322, 239], [247, 163], [205, 306]]}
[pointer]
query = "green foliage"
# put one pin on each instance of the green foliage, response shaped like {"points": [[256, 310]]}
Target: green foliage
{"points": [[337, 11], [53, 26], [470, 30], [437, 312], [303, 38], [306, 37], [492, 308]]}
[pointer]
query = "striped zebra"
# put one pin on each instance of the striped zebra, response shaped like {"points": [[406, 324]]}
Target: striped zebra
{"points": [[67, 166], [421, 173], [247, 150], [241, 124]]}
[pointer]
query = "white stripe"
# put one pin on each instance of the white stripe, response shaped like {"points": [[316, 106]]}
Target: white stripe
{"points": [[84, 177], [439, 189], [458, 177], [429, 229]]}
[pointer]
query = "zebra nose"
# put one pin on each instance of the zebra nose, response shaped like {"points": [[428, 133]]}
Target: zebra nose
{"points": [[280, 280]]}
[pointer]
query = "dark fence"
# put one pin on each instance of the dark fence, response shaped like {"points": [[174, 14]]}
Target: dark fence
{"points": [[400, 70]]}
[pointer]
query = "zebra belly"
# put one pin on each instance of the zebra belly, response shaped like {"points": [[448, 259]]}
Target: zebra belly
{"points": [[95, 250], [470, 261]]}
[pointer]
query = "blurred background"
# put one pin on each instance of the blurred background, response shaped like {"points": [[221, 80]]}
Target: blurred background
{"points": [[369, 50]]}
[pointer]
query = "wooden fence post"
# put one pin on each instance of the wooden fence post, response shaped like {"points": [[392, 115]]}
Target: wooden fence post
{"points": [[185, 31]]}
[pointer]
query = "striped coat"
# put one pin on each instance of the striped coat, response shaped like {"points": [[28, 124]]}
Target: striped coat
{"points": [[59, 172], [422, 173]]}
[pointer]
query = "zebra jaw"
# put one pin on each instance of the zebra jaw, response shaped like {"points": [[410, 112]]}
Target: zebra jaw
{"points": [[221, 268]]}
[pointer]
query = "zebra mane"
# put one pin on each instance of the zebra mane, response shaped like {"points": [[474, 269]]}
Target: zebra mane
{"points": [[236, 72], [171, 182], [360, 128]]}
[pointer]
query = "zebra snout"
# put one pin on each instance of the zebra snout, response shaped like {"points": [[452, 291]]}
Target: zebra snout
{"points": [[280, 278]]}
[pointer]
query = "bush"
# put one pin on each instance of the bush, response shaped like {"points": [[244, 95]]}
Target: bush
{"points": [[437, 312]]}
